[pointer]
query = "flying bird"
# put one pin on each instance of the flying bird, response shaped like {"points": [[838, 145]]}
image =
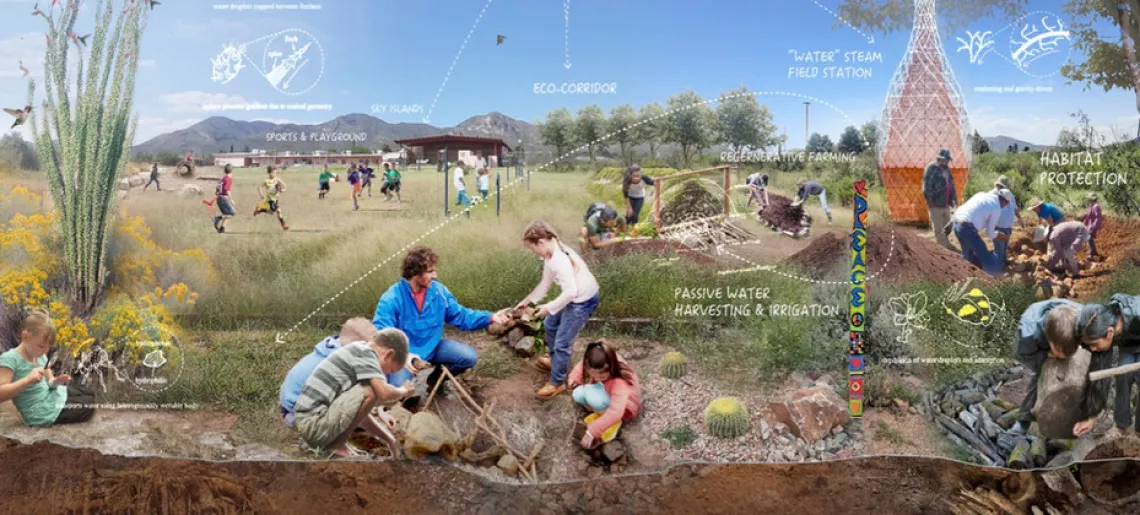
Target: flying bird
{"points": [[20, 114], [79, 40], [500, 38], [24, 68], [152, 3]]}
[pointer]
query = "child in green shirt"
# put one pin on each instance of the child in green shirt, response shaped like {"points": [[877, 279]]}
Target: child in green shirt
{"points": [[26, 379], [391, 183], [325, 179]]}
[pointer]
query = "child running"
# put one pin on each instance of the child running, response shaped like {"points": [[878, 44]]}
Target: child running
{"points": [[483, 183], [325, 178], [222, 197], [604, 383], [270, 192], [354, 180], [391, 184], [26, 379], [366, 176]]}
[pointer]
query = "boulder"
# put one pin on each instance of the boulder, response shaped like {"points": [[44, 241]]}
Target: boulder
{"points": [[191, 190], [1060, 390], [124, 184], [613, 451], [403, 418], [514, 336], [427, 435], [509, 464], [136, 181], [525, 346], [811, 413]]}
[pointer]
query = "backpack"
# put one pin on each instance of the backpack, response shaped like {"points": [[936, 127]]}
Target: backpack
{"points": [[596, 207]]}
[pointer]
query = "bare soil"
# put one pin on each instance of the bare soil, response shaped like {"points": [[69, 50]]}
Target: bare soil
{"points": [[48, 478]]}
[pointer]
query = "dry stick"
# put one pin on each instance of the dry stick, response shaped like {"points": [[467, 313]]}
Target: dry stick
{"points": [[529, 463], [478, 410], [502, 441], [433, 390]]}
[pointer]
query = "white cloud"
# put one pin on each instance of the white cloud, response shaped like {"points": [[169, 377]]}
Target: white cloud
{"points": [[149, 127], [192, 101], [278, 121], [28, 48], [147, 63]]}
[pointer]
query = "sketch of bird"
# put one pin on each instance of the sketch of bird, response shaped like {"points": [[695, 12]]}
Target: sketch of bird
{"points": [[152, 3], [24, 68], [499, 39], [20, 114]]}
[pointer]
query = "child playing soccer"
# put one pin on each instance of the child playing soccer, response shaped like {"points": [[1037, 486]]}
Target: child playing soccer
{"points": [[26, 379], [605, 384], [354, 180], [325, 180], [366, 176], [391, 184], [270, 192], [483, 183]]}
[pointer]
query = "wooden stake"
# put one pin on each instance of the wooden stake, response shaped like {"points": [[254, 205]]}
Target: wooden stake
{"points": [[433, 390], [478, 410]]}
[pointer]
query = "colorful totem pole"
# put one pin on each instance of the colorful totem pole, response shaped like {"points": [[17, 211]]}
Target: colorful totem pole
{"points": [[858, 308], [925, 112]]}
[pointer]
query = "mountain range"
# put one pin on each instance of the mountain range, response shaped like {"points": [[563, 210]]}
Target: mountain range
{"points": [[1001, 144], [218, 133]]}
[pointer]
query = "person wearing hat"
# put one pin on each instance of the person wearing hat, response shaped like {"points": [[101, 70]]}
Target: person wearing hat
{"points": [[1093, 220], [601, 222], [757, 184], [940, 194], [1066, 240], [981, 214], [633, 189], [806, 188], [1048, 213], [1005, 222]]}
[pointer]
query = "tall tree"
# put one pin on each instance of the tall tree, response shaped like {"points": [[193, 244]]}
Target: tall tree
{"points": [[743, 122], [590, 127], [851, 141], [622, 120], [1069, 140], [870, 133], [558, 131], [691, 124], [978, 144], [820, 143], [652, 127], [84, 134], [1111, 62], [16, 152], [386, 148]]}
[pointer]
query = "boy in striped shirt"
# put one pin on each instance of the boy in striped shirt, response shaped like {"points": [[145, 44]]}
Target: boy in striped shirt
{"points": [[340, 394]]}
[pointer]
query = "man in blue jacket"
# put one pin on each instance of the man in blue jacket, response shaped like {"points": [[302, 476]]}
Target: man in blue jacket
{"points": [[420, 306]]}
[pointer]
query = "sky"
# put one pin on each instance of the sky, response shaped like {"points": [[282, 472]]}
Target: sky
{"points": [[438, 59]]}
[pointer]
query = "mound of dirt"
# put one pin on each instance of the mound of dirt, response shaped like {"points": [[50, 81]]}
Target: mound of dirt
{"points": [[895, 255], [782, 214], [688, 201]]}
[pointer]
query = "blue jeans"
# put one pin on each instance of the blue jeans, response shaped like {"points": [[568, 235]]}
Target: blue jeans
{"points": [[823, 202], [593, 396], [458, 357], [561, 330], [1001, 248], [1122, 415], [462, 198], [636, 204], [974, 248]]}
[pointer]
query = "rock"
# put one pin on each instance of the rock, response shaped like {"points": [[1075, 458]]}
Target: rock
{"points": [[901, 403], [1007, 420], [525, 346], [427, 435], [258, 452], [782, 441], [790, 454], [514, 336], [1038, 453], [825, 380], [136, 181], [1019, 458], [836, 430], [1006, 442], [991, 429], [402, 417], [500, 329], [971, 397], [191, 190], [509, 465], [613, 451], [819, 446], [993, 409], [124, 184], [812, 412], [121, 194], [1060, 390], [968, 418], [594, 472], [1004, 404]]}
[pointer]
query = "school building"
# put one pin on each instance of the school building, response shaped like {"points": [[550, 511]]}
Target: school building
{"points": [[462, 149]]}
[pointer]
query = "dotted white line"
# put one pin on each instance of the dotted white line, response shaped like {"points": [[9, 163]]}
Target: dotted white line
{"points": [[840, 18], [770, 268], [519, 180], [455, 61], [566, 12]]}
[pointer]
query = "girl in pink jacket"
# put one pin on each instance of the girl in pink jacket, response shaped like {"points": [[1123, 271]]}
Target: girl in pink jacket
{"points": [[604, 383]]}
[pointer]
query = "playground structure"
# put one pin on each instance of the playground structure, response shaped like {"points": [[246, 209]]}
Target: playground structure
{"points": [[925, 112]]}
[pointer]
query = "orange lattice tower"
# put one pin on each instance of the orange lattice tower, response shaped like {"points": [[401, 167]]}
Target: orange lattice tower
{"points": [[925, 112]]}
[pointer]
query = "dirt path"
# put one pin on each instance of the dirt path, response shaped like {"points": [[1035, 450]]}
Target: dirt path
{"points": [[47, 478]]}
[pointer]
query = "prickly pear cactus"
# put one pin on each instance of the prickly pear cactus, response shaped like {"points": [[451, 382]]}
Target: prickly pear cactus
{"points": [[674, 365], [726, 417]]}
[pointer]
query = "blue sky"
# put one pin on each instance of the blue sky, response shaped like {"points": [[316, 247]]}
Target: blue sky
{"points": [[384, 52]]}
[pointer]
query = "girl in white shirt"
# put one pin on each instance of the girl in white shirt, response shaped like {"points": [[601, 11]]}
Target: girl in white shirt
{"points": [[567, 314]]}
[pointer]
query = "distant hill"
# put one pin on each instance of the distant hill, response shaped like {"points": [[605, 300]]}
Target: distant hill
{"points": [[220, 133], [1000, 144]]}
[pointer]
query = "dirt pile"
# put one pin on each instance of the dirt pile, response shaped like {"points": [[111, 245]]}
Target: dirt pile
{"points": [[1117, 243], [689, 201], [781, 216], [895, 255]]}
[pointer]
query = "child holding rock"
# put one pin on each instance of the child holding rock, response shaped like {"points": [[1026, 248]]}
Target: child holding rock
{"points": [[26, 379], [604, 383], [567, 314], [1117, 323]]}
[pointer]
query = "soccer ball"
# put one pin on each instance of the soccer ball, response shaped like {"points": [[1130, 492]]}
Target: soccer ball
{"points": [[280, 187]]}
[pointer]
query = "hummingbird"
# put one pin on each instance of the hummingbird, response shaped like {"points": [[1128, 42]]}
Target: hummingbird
{"points": [[20, 114], [500, 38], [24, 68], [79, 40], [152, 3]]}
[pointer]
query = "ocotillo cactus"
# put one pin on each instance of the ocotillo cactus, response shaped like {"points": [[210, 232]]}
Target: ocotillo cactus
{"points": [[83, 147]]}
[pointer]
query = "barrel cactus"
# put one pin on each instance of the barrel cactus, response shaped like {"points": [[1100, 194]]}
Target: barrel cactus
{"points": [[726, 417], [674, 365]]}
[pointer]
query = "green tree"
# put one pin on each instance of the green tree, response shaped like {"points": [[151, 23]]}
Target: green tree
{"points": [[558, 131], [167, 158], [652, 127], [357, 150], [621, 127], [84, 133], [1111, 60], [850, 141], [979, 144], [692, 124], [590, 127], [820, 143], [16, 152], [870, 133], [1068, 140], [247, 149], [386, 148], [743, 122]]}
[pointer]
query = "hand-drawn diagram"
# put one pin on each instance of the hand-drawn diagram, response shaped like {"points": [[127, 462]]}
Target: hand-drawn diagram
{"points": [[292, 61], [1038, 36], [970, 305], [160, 367], [909, 314]]}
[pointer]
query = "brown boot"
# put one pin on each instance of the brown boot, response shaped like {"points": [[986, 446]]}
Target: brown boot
{"points": [[543, 363], [550, 391]]}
